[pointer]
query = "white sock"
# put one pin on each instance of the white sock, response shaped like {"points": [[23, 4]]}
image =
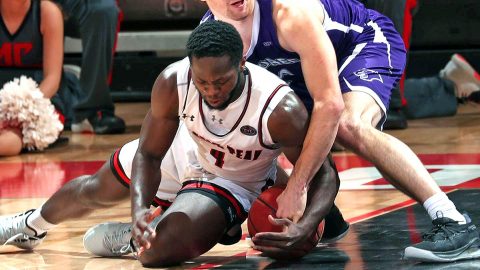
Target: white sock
{"points": [[38, 223], [439, 205]]}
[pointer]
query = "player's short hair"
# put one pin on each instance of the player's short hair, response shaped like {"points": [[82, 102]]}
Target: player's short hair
{"points": [[215, 39]]}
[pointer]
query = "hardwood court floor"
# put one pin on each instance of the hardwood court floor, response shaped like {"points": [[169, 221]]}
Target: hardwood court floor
{"points": [[449, 147]]}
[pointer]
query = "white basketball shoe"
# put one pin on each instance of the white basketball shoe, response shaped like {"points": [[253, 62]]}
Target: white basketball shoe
{"points": [[464, 76], [15, 231], [111, 239]]}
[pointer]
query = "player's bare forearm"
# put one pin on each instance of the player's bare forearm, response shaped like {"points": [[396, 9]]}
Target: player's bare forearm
{"points": [[321, 195], [319, 68], [317, 144], [145, 181], [156, 136]]}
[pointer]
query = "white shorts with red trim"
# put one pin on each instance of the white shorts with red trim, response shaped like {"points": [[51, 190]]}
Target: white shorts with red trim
{"points": [[180, 165]]}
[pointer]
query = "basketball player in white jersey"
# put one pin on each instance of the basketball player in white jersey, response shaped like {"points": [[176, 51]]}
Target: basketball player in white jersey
{"points": [[239, 117]]}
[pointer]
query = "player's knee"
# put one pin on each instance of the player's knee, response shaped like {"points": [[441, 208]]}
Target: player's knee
{"points": [[156, 260], [10, 142], [350, 130], [89, 192], [11, 149], [106, 13], [349, 126], [167, 250], [166, 256]]}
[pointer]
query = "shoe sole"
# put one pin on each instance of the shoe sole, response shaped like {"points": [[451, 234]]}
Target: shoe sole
{"points": [[470, 251]]}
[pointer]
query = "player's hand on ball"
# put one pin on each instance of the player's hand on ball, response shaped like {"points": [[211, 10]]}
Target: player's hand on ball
{"points": [[291, 203], [142, 233], [284, 245]]}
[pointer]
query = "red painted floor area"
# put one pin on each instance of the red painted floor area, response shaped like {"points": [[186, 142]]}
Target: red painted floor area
{"points": [[41, 179]]}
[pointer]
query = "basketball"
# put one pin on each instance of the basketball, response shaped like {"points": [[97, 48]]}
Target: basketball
{"points": [[266, 204]]}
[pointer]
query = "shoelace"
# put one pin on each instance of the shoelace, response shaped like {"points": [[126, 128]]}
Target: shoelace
{"points": [[442, 228], [115, 243]]}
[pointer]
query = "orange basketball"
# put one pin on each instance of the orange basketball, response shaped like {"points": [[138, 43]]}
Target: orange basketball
{"points": [[266, 204]]}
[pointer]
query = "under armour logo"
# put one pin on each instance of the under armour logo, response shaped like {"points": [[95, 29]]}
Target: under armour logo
{"points": [[220, 121], [188, 116]]}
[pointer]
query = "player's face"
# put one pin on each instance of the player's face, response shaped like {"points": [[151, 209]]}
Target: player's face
{"points": [[236, 10], [215, 79]]}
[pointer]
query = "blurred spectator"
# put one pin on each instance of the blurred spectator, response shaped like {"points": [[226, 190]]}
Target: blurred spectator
{"points": [[434, 96], [440, 95], [31, 43], [96, 23]]}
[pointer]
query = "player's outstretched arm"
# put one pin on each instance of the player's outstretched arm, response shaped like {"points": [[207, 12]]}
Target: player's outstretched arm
{"points": [[288, 125], [158, 130], [319, 69]]}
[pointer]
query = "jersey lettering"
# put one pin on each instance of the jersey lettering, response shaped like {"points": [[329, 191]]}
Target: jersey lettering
{"points": [[6, 54], [17, 50]]}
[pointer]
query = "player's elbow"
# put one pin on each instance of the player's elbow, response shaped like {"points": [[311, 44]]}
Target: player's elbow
{"points": [[333, 108], [337, 108], [329, 170]]}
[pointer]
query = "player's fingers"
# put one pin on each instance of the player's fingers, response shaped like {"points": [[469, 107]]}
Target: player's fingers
{"points": [[142, 224], [296, 218], [280, 254], [269, 243], [153, 214], [279, 241], [140, 251], [281, 213], [267, 249], [137, 235], [143, 242], [143, 234], [293, 216], [279, 221], [150, 231], [149, 235], [275, 236], [147, 238], [157, 212]]}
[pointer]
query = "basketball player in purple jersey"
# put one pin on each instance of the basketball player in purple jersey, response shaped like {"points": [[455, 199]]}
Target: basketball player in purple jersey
{"points": [[343, 60], [233, 120]]}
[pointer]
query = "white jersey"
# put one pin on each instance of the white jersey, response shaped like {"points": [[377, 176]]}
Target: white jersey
{"points": [[234, 143]]}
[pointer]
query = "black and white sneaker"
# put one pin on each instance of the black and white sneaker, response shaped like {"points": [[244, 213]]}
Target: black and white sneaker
{"points": [[447, 241], [14, 231]]}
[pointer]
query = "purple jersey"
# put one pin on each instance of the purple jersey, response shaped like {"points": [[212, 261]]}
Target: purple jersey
{"points": [[356, 33]]}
